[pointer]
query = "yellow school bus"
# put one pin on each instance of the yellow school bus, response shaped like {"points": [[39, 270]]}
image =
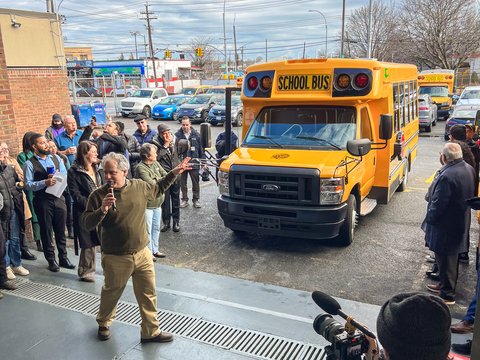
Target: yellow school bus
{"points": [[438, 83], [324, 140]]}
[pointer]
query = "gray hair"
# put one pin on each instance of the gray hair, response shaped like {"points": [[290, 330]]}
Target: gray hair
{"points": [[122, 162], [68, 116], [452, 152], [146, 150]]}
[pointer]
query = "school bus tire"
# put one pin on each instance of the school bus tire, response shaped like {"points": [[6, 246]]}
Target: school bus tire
{"points": [[347, 231], [403, 185]]}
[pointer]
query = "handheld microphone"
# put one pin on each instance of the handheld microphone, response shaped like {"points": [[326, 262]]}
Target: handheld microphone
{"points": [[331, 306], [110, 190]]}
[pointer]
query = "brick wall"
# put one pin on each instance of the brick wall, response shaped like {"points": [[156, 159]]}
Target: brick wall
{"points": [[37, 94], [8, 132]]}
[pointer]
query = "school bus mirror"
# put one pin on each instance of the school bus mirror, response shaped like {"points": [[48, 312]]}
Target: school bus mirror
{"points": [[450, 95], [386, 127], [359, 147], [183, 146], [477, 118], [206, 135]]}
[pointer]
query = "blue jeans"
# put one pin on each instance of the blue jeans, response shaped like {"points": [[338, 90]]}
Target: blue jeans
{"points": [[13, 246], [153, 217], [470, 317]]}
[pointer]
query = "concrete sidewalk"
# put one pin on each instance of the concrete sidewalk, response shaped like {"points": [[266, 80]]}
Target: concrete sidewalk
{"points": [[52, 316]]}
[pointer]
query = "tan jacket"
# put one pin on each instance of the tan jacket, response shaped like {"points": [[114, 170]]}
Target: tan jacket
{"points": [[12, 161]]}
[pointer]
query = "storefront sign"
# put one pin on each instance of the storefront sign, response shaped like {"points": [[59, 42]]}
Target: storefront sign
{"points": [[122, 70]]}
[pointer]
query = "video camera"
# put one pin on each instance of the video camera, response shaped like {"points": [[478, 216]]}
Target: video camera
{"points": [[347, 342]]}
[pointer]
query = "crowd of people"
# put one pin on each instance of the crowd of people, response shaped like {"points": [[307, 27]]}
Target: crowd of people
{"points": [[123, 190]]}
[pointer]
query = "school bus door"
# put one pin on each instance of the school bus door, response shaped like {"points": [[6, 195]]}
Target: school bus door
{"points": [[369, 160]]}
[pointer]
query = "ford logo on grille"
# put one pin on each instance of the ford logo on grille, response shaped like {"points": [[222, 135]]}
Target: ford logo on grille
{"points": [[270, 187]]}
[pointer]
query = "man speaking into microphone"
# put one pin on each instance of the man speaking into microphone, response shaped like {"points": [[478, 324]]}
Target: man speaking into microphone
{"points": [[124, 240]]}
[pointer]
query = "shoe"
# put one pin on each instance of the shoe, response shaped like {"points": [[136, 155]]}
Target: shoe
{"points": [[10, 274], [20, 270], [463, 258], [66, 264], [159, 255], [1, 296], [435, 276], [430, 258], [197, 204], [154, 259], [448, 302], [70, 232], [163, 337], [165, 228], [434, 288], [176, 227], [8, 285], [184, 203], [27, 255], [53, 267], [39, 245], [87, 279], [462, 327], [104, 333], [464, 349]]}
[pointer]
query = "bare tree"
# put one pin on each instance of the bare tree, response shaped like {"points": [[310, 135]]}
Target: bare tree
{"points": [[441, 33], [202, 42], [385, 31]]}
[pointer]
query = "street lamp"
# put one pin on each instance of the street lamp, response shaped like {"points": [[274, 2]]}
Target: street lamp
{"points": [[326, 29], [241, 47], [135, 33]]}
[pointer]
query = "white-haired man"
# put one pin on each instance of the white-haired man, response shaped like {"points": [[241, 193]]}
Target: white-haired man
{"points": [[447, 223], [124, 239]]}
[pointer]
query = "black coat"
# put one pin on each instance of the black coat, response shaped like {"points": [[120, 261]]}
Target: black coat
{"points": [[12, 200], [168, 158], [196, 150], [448, 216], [81, 185]]}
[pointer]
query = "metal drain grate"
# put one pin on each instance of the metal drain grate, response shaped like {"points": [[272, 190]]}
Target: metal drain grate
{"points": [[247, 342]]}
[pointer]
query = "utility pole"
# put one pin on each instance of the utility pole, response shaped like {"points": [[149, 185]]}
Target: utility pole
{"points": [[304, 49], [148, 18], [235, 42], [243, 66], [266, 51], [343, 28], [369, 45]]}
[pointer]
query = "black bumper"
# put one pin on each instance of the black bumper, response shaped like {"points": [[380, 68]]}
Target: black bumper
{"points": [[443, 113], [319, 222]]}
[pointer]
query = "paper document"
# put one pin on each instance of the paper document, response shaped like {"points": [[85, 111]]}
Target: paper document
{"points": [[60, 185]]}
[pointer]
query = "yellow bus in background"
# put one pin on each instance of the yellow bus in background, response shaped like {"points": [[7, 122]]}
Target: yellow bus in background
{"points": [[324, 140], [438, 83]]}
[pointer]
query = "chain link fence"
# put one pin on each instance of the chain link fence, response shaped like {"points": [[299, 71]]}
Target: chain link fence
{"points": [[465, 77]]}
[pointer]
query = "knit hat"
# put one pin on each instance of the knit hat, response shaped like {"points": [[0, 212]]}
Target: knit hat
{"points": [[162, 128], [415, 326], [458, 132]]}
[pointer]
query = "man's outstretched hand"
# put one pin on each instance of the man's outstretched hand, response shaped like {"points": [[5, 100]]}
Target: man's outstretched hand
{"points": [[184, 166]]}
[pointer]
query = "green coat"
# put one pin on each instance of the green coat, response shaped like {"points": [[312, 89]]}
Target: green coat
{"points": [[22, 159], [148, 173]]}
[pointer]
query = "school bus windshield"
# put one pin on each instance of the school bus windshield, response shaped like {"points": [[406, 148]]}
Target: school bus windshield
{"points": [[303, 127], [434, 91]]}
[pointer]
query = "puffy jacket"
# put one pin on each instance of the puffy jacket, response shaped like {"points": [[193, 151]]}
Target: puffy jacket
{"points": [[196, 150], [12, 199], [145, 138], [133, 151]]}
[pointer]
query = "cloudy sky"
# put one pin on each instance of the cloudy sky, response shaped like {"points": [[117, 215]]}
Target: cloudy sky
{"points": [[105, 25]]}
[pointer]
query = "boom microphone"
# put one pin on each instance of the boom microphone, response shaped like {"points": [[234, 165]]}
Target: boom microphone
{"points": [[331, 306], [114, 206]]}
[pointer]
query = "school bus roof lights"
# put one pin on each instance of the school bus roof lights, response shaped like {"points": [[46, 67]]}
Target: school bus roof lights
{"points": [[343, 81], [266, 83], [361, 80], [352, 82], [253, 83]]}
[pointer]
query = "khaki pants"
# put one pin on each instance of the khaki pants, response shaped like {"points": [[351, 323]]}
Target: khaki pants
{"points": [[117, 269]]}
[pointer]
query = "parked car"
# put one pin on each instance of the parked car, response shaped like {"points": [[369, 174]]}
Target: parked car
{"points": [[121, 91], [168, 107], [198, 107], [88, 91], [220, 89], [194, 90], [470, 96], [142, 101], [427, 114], [462, 114], [217, 112]]}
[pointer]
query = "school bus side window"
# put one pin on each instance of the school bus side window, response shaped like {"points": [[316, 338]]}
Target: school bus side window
{"points": [[407, 104], [396, 107], [365, 126], [415, 102], [402, 104]]}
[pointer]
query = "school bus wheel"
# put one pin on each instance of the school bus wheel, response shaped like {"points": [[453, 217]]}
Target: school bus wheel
{"points": [[347, 231]]}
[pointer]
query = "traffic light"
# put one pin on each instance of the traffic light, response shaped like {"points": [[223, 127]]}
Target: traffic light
{"points": [[165, 54], [200, 52], [168, 55], [197, 52]]}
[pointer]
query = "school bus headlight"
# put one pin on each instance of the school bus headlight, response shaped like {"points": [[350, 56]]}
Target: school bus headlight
{"points": [[223, 183], [343, 81], [266, 82], [331, 190]]}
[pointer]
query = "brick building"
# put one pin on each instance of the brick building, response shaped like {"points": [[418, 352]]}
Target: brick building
{"points": [[33, 76]]}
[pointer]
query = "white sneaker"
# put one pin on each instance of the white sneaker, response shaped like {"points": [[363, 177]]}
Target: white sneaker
{"points": [[184, 204], [10, 274], [20, 270], [197, 204], [430, 258]]}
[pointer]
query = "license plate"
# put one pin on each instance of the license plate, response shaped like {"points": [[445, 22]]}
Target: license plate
{"points": [[126, 112], [313, 82], [156, 114], [219, 118], [269, 223]]}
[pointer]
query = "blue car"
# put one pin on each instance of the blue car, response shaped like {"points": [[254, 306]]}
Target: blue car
{"points": [[168, 107], [462, 114]]}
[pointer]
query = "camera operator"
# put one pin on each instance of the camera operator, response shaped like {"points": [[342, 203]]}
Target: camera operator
{"points": [[412, 326]]}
